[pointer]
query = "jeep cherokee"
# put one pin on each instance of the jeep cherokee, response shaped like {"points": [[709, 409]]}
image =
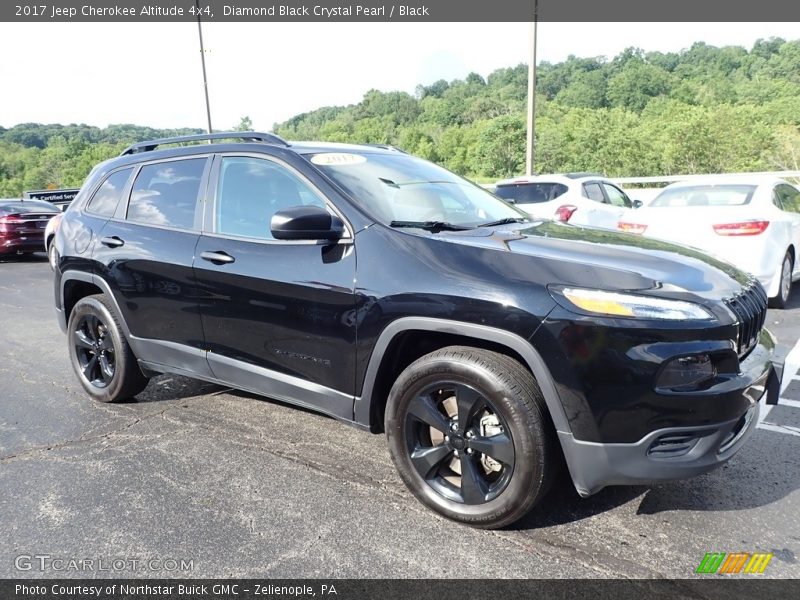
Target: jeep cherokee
{"points": [[387, 292]]}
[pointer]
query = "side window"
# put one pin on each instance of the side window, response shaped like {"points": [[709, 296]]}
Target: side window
{"points": [[166, 193], [105, 199], [252, 190], [790, 198], [593, 192], [616, 196]]}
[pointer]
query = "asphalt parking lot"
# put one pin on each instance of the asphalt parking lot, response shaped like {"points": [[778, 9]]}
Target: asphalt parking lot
{"points": [[242, 486]]}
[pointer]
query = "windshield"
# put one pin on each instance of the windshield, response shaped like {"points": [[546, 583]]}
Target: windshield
{"points": [[401, 188], [530, 193], [705, 195]]}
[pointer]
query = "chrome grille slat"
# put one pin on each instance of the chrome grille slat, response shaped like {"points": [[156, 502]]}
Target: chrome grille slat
{"points": [[750, 308]]}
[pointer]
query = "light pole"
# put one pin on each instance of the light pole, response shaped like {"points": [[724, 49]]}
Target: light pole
{"points": [[203, 63], [531, 140]]}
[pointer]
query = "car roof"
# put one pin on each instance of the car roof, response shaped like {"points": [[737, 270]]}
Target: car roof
{"points": [[564, 178], [727, 179]]}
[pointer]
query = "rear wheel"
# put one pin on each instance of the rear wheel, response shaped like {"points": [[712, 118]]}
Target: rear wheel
{"points": [[468, 433], [785, 285], [52, 254], [100, 354]]}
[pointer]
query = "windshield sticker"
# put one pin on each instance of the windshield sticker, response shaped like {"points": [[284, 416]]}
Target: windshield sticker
{"points": [[336, 159]]}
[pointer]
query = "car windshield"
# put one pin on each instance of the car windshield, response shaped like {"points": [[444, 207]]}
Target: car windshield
{"points": [[530, 193], [398, 188], [705, 195]]}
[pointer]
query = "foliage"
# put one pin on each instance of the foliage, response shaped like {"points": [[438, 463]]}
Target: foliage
{"points": [[702, 110]]}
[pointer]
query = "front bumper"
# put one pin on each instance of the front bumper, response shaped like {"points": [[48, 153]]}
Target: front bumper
{"points": [[671, 453]]}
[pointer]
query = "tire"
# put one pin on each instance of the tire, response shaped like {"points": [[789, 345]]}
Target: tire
{"points": [[506, 421], [100, 355], [52, 254], [785, 286]]}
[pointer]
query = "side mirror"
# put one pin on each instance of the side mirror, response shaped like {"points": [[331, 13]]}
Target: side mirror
{"points": [[306, 223], [638, 204]]}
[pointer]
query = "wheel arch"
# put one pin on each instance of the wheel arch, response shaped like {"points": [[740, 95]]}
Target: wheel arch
{"points": [[368, 407], [79, 284]]}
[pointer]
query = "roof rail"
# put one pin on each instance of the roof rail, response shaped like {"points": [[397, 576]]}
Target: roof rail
{"points": [[247, 136]]}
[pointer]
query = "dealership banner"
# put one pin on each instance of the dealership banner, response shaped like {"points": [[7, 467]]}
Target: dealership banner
{"points": [[412, 589], [403, 11]]}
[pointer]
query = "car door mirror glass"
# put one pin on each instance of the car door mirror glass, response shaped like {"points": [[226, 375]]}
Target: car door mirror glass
{"points": [[638, 204], [306, 223]]}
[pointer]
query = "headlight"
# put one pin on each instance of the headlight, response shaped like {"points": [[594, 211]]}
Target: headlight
{"points": [[630, 305]]}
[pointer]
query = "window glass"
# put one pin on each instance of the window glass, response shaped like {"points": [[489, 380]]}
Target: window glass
{"points": [[400, 187], [616, 197], [530, 193], [705, 195], [790, 198], [166, 193], [593, 192], [105, 199], [252, 190], [776, 199]]}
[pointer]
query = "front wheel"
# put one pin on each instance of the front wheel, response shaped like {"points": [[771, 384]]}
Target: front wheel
{"points": [[100, 354], [468, 433], [785, 285]]}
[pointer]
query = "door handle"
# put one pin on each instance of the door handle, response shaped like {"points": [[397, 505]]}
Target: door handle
{"points": [[112, 242], [218, 258]]}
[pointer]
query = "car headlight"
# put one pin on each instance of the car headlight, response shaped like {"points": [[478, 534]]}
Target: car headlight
{"points": [[618, 304]]}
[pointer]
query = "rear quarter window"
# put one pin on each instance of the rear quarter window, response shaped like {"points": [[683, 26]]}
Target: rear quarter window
{"points": [[705, 195]]}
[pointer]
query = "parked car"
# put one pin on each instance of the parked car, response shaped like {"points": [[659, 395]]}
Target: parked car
{"points": [[49, 238], [752, 222], [387, 292], [22, 225], [578, 198]]}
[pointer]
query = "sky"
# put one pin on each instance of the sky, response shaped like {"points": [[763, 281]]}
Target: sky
{"points": [[150, 74]]}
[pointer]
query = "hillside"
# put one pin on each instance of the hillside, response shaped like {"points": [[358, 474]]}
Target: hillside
{"points": [[702, 110]]}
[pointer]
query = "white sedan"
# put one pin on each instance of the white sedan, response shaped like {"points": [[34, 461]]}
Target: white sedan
{"points": [[751, 222], [578, 198]]}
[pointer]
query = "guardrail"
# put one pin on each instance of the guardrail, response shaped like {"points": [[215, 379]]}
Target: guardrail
{"points": [[674, 178]]}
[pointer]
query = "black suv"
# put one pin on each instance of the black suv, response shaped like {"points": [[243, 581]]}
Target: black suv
{"points": [[387, 292]]}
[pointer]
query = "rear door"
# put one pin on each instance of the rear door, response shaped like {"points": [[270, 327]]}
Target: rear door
{"points": [[145, 253], [790, 203], [277, 314]]}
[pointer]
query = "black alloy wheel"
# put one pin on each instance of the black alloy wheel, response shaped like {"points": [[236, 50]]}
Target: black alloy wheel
{"points": [[469, 433], [100, 354], [450, 446], [94, 348]]}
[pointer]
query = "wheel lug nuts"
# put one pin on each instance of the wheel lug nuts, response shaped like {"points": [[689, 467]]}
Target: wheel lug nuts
{"points": [[455, 452], [469, 451], [447, 438], [454, 426], [470, 434]]}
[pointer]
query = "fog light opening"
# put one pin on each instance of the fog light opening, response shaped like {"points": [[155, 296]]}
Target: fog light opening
{"points": [[687, 372]]}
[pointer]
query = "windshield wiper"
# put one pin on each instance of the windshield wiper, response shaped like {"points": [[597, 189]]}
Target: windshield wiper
{"points": [[506, 221], [434, 226]]}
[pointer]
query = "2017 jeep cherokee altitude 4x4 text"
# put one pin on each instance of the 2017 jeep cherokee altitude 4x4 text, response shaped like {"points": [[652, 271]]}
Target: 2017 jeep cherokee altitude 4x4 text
{"points": [[387, 292]]}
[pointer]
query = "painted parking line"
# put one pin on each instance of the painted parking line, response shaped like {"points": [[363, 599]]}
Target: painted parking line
{"points": [[790, 374]]}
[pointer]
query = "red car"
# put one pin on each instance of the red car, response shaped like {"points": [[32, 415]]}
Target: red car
{"points": [[22, 225]]}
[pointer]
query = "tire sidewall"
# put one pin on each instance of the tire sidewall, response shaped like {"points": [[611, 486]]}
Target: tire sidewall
{"points": [[787, 260], [528, 469], [92, 305]]}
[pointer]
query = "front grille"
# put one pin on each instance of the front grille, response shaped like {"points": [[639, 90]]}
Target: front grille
{"points": [[750, 308]]}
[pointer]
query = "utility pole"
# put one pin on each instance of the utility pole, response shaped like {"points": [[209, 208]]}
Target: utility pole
{"points": [[531, 140], [203, 63]]}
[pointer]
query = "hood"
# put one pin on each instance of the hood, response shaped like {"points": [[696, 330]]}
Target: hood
{"points": [[588, 257]]}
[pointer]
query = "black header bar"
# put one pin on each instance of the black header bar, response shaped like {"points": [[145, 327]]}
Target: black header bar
{"points": [[403, 11]]}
